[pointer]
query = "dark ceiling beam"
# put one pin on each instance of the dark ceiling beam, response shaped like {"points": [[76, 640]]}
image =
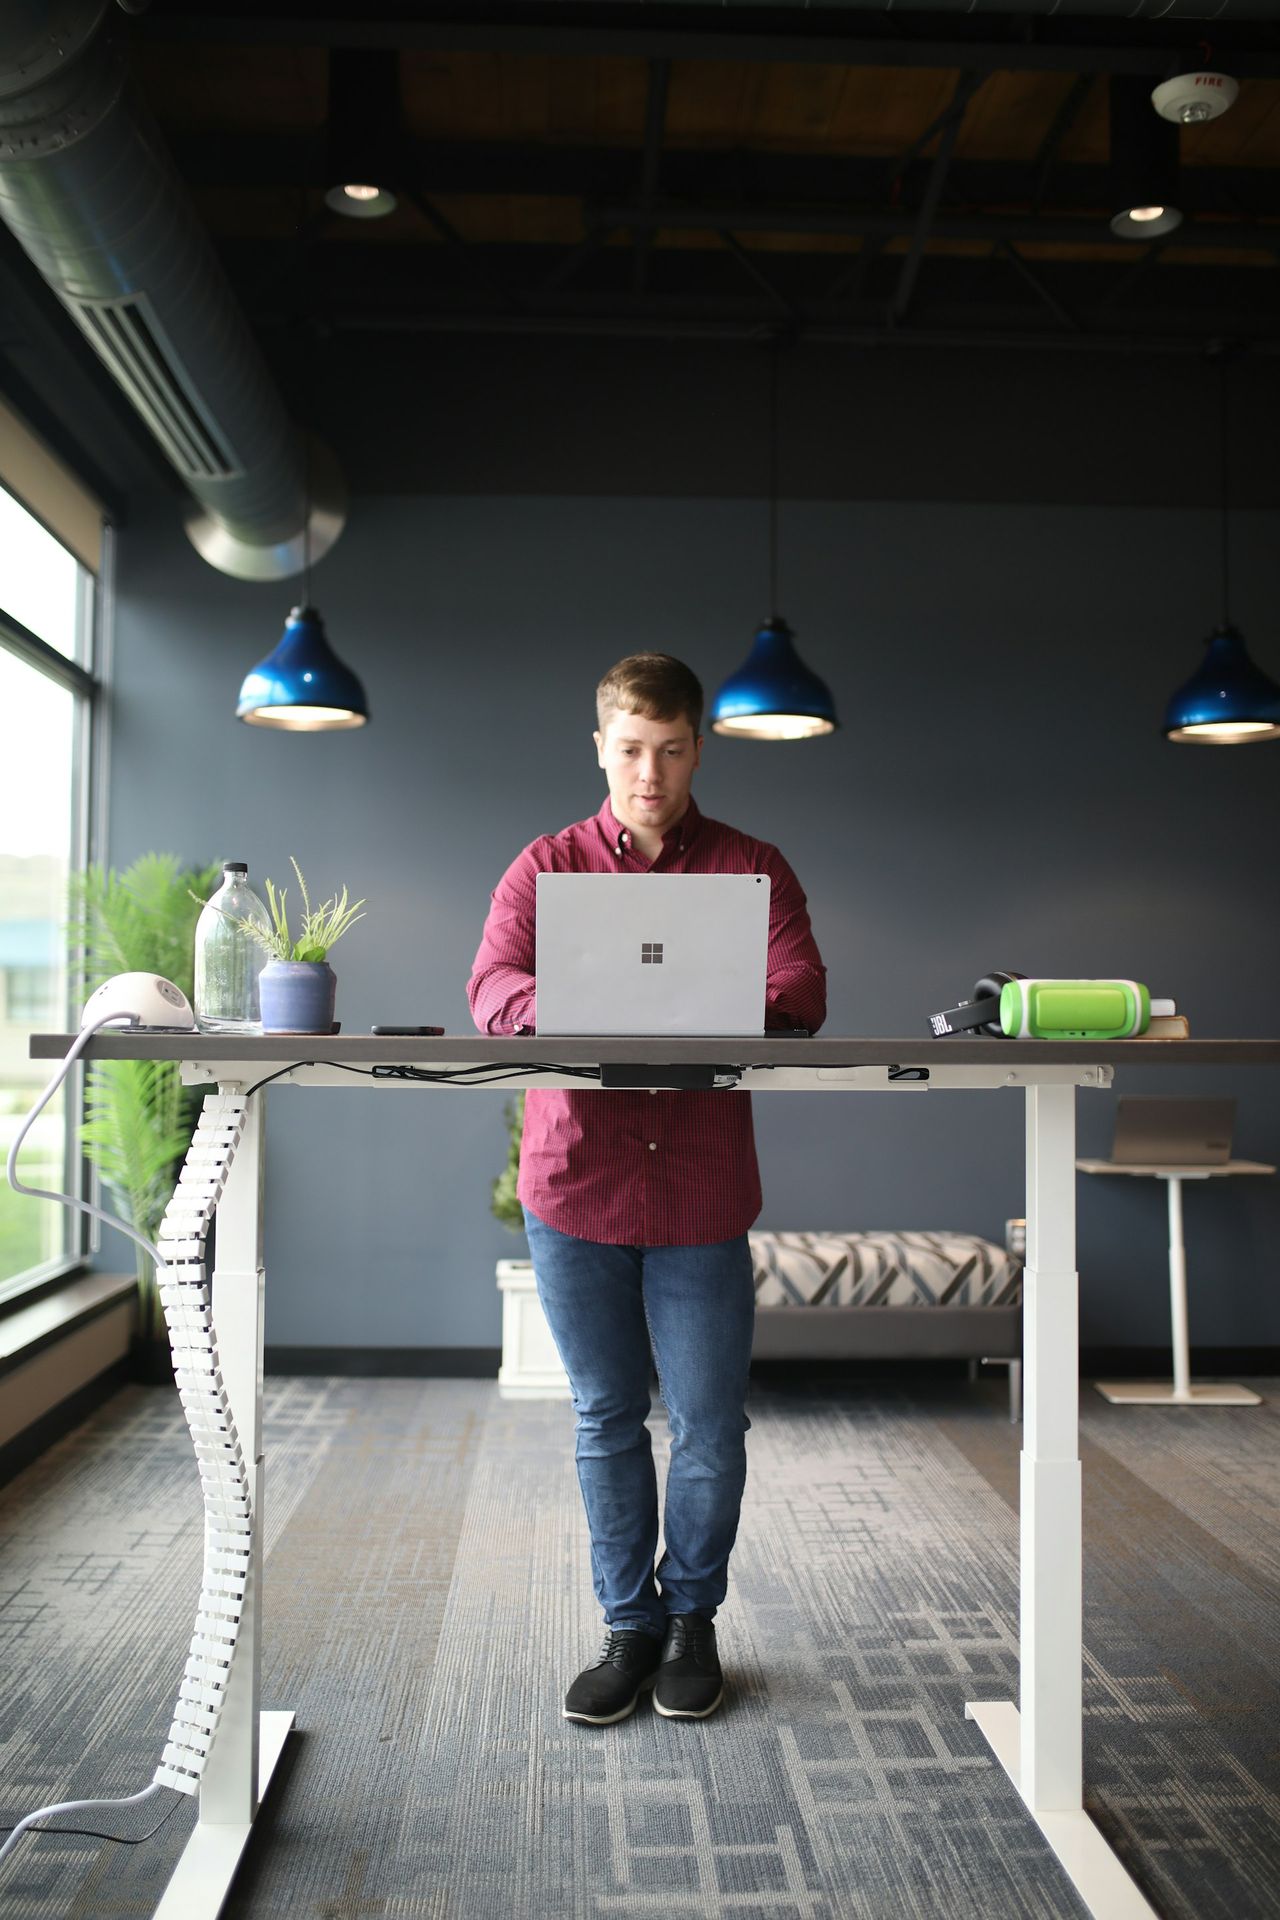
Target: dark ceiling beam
{"points": [[1059, 127], [387, 286], [979, 227], [952, 112], [1248, 49], [1038, 286], [750, 264], [275, 161], [965, 88], [994, 329], [851, 279], [574, 258], [452, 238], [655, 122]]}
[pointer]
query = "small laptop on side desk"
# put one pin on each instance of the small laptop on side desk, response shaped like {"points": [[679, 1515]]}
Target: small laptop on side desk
{"points": [[1173, 1133], [652, 953]]}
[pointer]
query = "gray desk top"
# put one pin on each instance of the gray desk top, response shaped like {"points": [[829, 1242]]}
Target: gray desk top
{"points": [[359, 1049], [1163, 1170]]}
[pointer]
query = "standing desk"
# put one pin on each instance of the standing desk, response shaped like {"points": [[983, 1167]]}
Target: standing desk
{"points": [[1038, 1741]]}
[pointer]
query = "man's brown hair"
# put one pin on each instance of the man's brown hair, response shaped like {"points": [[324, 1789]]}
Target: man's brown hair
{"points": [[652, 684]]}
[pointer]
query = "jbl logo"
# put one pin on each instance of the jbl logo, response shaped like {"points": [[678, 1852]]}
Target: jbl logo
{"points": [[651, 953]]}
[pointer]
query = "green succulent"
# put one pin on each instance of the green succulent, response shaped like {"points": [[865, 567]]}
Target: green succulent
{"points": [[321, 926]]}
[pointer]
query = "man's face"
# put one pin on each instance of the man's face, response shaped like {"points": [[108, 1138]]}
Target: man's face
{"points": [[649, 764]]}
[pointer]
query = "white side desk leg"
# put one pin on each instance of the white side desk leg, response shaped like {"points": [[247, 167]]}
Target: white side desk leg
{"points": [[1178, 1293], [1040, 1747], [248, 1742]]}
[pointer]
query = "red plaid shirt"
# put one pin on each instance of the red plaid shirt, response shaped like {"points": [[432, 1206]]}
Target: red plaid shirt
{"points": [[642, 1169]]}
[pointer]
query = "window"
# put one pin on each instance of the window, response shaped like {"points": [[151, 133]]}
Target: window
{"points": [[47, 701]]}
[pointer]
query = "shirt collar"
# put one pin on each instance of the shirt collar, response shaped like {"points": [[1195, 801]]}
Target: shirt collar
{"points": [[675, 840]]}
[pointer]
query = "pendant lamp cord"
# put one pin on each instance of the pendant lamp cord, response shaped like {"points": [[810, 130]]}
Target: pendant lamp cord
{"points": [[306, 528], [773, 480], [1222, 448]]}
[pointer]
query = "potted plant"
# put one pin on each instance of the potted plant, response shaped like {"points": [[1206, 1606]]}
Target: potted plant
{"points": [[138, 1115], [504, 1204], [297, 987]]}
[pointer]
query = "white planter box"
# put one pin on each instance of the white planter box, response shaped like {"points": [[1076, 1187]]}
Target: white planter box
{"points": [[531, 1368]]}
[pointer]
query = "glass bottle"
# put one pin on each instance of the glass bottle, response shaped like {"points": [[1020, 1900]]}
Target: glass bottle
{"points": [[228, 960]]}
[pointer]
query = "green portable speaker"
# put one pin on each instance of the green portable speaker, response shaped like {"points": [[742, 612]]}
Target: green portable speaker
{"points": [[1074, 1009]]}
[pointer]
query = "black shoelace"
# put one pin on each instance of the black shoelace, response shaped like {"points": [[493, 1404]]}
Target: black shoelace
{"points": [[693, 1635], [622, 1647]]}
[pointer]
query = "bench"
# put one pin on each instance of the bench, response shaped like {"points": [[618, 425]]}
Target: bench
{"points": [[831, 1296]]}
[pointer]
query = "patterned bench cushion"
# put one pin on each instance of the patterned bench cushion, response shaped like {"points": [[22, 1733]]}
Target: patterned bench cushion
{"points": [[883, 1270]]}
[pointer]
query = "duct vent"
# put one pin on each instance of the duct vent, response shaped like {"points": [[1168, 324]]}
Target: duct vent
{"points": [[127, 335]]}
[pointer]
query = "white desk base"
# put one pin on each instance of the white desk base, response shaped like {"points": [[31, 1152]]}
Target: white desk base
{"points": [[1179, 1392], [1087, 1860], [201, 1881], [1158, 1393]]}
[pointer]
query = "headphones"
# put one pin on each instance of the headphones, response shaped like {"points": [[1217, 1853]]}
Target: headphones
{"points": [[982, 1012], [624, 840]]}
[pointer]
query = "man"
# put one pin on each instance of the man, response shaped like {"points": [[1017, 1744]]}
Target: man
{"points": [[637, 1207]]}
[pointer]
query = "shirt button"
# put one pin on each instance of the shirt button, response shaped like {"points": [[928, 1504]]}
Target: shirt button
{"points": [[653, 1146]]}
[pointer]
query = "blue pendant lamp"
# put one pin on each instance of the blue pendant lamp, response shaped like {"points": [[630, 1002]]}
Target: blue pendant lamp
{"points": [[303, 687], [1228, 702], [773, 695]]}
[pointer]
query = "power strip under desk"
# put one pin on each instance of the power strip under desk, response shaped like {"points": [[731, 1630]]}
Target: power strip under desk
{"points": [[696, 1076]]}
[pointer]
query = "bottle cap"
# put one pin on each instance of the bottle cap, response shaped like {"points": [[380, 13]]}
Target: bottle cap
{"points": [[1163, 1009], [234, 866]]}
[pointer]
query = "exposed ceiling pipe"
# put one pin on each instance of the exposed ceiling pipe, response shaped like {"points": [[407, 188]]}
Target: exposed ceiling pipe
{"points": [[92, 196]]}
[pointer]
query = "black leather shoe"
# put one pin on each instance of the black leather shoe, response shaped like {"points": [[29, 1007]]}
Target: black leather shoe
{"points": [[690, 1684], [608, 1690]]}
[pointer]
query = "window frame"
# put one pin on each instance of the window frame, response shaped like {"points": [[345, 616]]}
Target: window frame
{"points": [[89, 760]]}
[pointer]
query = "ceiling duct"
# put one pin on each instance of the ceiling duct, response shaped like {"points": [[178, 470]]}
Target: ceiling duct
{"points": [[88, 189], [1167, 12]]}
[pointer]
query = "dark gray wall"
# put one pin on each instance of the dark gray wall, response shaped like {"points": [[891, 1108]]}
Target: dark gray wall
{"points": [[999, 794]]}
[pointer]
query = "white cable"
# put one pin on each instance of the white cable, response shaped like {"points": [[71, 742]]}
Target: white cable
{"points": [[75, 1806], [65, 1199]]}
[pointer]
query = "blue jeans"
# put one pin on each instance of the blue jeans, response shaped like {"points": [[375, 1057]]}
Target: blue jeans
{"points": [[606, 1307]]}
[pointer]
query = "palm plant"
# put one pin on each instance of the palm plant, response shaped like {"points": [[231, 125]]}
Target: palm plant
{"points": [[504, 1205], [138, 1115]]}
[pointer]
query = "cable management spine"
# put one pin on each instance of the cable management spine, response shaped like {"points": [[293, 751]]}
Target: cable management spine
{"points": [[185, 1296]]}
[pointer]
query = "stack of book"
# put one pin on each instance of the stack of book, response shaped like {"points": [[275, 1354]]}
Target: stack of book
{"points": [[1166, 1026]]}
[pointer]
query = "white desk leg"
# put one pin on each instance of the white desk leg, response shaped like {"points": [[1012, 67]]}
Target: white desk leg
{"points": [[1040, 1747], [1149, 1393], [1178, 1293], [248, 1743]]}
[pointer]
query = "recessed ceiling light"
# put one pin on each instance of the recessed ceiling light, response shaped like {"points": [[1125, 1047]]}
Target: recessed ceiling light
{"points": [[360, 202]]}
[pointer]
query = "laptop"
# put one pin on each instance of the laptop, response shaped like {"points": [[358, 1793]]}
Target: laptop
{"points": [[1173, 1133], [652, 953]]}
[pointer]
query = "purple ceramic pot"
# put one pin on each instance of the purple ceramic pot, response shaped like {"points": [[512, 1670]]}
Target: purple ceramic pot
{"points": [[297, 996]]}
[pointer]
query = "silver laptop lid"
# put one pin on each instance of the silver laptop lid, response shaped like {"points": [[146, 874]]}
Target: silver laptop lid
{"points": [[652, 953], [1171, 1132]]}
